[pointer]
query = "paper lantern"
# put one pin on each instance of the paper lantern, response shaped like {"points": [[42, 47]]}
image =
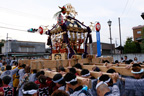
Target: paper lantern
{"points": [[40, 30]]}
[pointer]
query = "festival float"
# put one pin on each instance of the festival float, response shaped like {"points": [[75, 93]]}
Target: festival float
{"points": [[68, 38], [68, 35]]}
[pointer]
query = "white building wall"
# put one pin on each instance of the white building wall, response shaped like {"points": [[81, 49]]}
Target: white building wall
{"points": [[3, 50]]}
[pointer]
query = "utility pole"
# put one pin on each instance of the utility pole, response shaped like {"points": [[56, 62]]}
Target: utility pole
{"points": [[116, 42], [6, 50], [120, 36]]}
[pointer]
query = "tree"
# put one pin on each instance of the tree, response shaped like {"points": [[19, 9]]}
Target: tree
{"points": [[142, 44], [1, 44], [138, 47], [131, 46]]}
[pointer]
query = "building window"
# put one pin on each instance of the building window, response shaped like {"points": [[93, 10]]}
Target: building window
{"points": [[27, 49], [23, 49], [31, 49], [138, 32]]}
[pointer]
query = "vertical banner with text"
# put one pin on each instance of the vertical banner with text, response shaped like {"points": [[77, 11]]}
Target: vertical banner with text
{"points": [[98, 27]]}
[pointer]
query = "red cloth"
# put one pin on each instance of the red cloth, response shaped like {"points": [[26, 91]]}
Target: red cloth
{"points": [[45, 89], [76, 74], [7, 90]]}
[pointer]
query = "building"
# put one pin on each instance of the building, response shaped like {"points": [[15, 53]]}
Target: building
{"points": [[105, 48], [137, 33], [23, 48]]}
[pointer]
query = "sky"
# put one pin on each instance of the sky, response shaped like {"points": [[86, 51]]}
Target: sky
{"points": [[25, 14]]}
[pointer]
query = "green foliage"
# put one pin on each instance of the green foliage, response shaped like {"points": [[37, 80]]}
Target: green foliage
{"points": [[142, 44], [131, 46], [138, 47], [1, 44]]}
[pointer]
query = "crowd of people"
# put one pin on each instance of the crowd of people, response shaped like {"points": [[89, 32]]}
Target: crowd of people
{"points": [[20, 80], [125, 60]]}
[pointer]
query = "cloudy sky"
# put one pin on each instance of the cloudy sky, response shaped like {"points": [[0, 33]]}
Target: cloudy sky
{"points": [[25, 14]]}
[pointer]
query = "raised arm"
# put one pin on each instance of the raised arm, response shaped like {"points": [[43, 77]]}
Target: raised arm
{"points": [[14, 70], [115, 89]]}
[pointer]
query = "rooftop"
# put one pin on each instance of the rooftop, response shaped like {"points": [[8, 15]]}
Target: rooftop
{"points": [[138, 27], [26, 41]]}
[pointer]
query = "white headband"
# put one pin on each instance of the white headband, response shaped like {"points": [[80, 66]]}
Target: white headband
{"points": [[141, 71], [73, 80], [29, 91], [56, 81], [100, 84], [108, 80], [88, 74]]}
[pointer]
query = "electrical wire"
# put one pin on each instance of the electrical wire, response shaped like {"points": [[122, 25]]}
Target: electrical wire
{"points": [[23, 13], [12, 24], [15, 29], [130, 7], [12, 28], [124, 8]]}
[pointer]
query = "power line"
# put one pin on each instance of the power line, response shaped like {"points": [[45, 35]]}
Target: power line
{"points": [[23, 13], [12, 28], [12, 24], [124, 8], [15, 29], [130, 7]]}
